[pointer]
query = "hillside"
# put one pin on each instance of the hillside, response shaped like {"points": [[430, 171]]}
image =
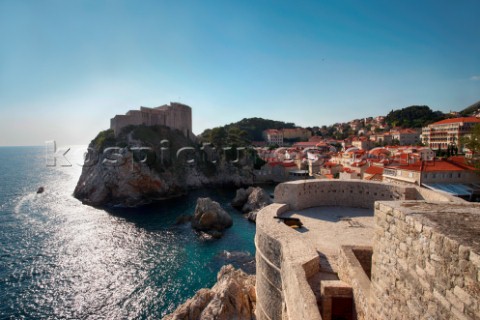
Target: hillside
{"points": [[243, 131], [413, 117], [468, 111]]}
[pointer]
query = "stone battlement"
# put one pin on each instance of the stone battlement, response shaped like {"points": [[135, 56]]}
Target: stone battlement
{"points": [[175, 116], [367, 251]]}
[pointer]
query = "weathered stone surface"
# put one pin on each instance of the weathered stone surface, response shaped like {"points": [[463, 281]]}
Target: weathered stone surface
{"points": [[241, 197], [210, 217], [440, 253], [232, 297], [251, 200], [257, 199]]}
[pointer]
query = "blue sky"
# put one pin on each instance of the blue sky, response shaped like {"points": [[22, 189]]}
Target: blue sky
{"points": [[67, 67]]}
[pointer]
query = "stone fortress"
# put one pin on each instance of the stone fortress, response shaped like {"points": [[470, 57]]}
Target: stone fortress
{"points": [[175, 116], [367, 250]]}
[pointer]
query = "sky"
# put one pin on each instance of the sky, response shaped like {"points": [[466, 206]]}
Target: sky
{"points": [[68, 66]]}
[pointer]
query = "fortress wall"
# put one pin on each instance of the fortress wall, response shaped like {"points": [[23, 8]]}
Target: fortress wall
{"points": [[434, 196], [304, 194], [282, 271], [283, 267], [354, 263], [426, 261], [175, 116]]}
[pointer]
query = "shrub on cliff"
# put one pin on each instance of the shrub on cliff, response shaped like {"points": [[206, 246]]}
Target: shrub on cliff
{"points": [[104, 139]]}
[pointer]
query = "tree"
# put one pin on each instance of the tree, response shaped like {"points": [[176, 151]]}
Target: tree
{"points": [[413, 117], [218, 136], [472, 143]]}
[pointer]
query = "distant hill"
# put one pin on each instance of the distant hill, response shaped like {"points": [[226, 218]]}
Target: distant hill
{"points": [[468, 111], [245, 130], [413, 117]]}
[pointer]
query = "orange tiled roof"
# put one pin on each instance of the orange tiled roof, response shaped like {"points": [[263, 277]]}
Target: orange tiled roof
{"points": [[456, 120], [461, 162], [430, 166], [374, 170]]}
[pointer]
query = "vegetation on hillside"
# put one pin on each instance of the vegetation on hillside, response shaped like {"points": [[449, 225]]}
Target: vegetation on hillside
{"points": [[468, 111], [472, 142], [104, 139], [242, 132], [413, 117]]}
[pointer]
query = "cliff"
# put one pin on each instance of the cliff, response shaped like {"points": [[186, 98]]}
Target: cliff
{"points": [[232, 297], [148, 163]]}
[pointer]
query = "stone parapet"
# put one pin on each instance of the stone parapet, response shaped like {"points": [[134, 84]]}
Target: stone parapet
{"points": [[362, 194], [426, 261]]}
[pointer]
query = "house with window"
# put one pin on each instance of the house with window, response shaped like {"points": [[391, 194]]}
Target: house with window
{"points": [[442, 134], [448, 176], [273, 136]]}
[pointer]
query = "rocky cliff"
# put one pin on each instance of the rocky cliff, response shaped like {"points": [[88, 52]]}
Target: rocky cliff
{"points": [[232, 297], [143, 164]]}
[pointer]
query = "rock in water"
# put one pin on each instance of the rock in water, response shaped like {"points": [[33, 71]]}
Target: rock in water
{"points": [[232, 297], [241, 197], [250, 201], [210, 217], [257, 199], [239, 259]]}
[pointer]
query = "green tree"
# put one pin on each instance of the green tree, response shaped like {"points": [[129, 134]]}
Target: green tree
{"points": [[472, 142], [218, 136], [413, 117]]}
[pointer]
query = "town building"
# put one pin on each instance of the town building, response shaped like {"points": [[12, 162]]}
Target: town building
{"points": [[301, 134], [361, 143], [175, 116], [273, 136], [449, 176], [405, 136], [442, 134], [381, 138]]}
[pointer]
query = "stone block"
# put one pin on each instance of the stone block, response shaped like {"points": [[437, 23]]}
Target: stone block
{"points": [[464, 252], [454, 301], [418, 226], [427, 231], [467, 299], [420, 272], [440, 298], [475, 259], [459, 315]]}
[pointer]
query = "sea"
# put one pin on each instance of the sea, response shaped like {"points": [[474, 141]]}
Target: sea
{"points": [[60, 259]]}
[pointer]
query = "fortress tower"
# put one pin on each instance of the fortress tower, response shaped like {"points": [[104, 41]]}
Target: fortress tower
{"points": [[175, 116]]}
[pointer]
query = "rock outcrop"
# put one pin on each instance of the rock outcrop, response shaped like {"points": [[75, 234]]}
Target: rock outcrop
{"points": [[232, 297], [210, 217], [241, 197], [144, 164], [251, 200]]}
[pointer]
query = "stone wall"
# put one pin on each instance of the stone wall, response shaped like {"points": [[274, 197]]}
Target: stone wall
{"points": [[354, 269], [175, 116], [283, 267], [426, 261], [362, 194], [282, 271]]}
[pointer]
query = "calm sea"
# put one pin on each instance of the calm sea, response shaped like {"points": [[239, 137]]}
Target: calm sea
{"points": [[62, 259]]}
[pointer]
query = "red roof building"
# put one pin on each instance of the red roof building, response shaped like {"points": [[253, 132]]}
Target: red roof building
{"points": [[442, 134], [427, 172]]}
